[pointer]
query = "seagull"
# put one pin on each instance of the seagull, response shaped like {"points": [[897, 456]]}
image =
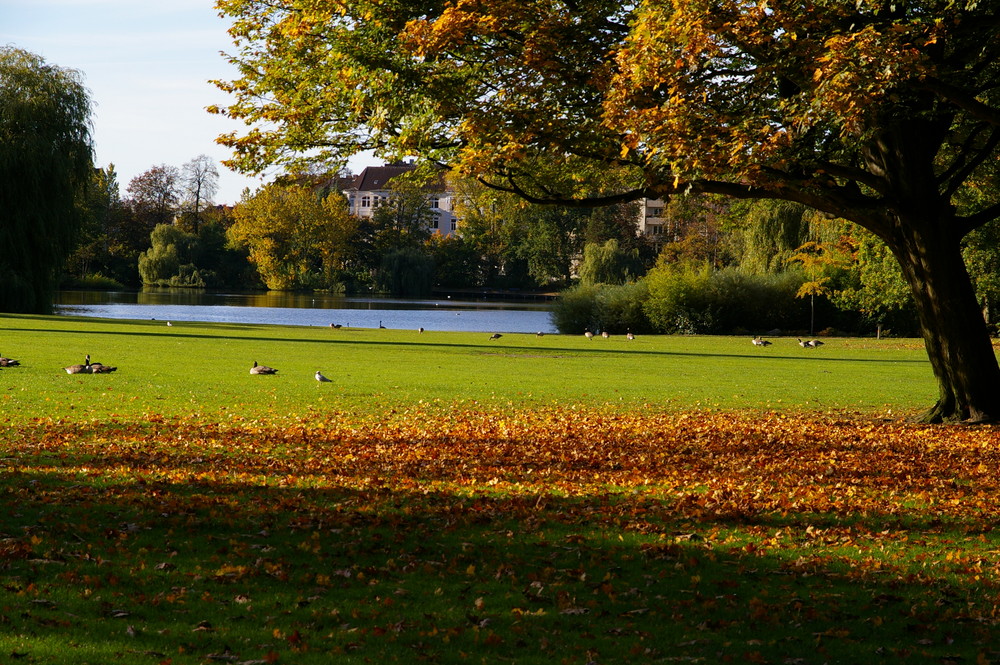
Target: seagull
{"points": [[169, 324], [321, 378], [262, 369], [496, 336]]}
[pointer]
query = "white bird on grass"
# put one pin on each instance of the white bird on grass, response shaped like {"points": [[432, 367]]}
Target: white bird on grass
{"points": [[321, 378]]}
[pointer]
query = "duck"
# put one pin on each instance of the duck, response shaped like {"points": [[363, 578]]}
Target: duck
{"points": [[262, 369], [321, 378]]}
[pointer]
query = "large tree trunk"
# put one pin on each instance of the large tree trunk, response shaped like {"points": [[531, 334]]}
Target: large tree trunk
{"points": [[951, 321]]}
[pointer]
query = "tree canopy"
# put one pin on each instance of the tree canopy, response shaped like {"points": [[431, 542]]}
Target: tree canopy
{"points": [[881, 112], [45, 164]]}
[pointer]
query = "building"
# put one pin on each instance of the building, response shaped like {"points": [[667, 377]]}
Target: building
{"points": [[370, 189]]}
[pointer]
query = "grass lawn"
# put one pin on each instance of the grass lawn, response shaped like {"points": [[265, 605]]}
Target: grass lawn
{"points": [[452, 499]]}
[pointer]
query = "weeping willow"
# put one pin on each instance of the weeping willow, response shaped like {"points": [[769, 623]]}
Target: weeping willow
{"points": [[46, 158]]}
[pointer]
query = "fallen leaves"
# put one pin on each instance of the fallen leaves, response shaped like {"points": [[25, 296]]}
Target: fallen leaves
{"points": [[427, 530]]}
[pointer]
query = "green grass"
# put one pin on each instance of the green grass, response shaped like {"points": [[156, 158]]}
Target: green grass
{"points": [[203, 369], [451, 499]]}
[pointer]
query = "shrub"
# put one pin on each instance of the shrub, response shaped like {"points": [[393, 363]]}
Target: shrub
{"points": [[611, 307]]}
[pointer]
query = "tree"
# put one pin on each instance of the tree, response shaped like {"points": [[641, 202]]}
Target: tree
{"points": [[153, 197], [199, 181], [46, 160], [296, 238], [880, 112]]}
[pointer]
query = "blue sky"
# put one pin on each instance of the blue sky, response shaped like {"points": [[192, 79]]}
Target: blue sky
{"points": [[147, 65]]}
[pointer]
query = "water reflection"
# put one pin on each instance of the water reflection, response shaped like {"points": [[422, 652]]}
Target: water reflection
{"points": [[308, 310]]}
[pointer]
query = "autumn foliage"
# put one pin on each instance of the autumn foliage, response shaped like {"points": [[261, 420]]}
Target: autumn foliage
{"points": [[551, 535]]}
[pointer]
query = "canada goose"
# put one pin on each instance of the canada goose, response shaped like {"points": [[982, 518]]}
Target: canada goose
{"points": [[540, 334], [9, 362], [496, 336], [814, 343], [335, 326], [321, 378], [629, 336], [757, 341], [420, 329], [98, 368], [805, 344], [77, 369], [262, 369], [588, 334], [380, 325], [605, 334]]}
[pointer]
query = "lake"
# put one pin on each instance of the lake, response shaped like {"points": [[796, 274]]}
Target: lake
{"points": [[297, 309]]}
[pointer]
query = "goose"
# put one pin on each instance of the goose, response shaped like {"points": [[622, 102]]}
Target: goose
{"points": [[605, 334], [380, 325], [262, 369], [763, 342], [540, 334], [335, 326], [814, 343], [805, 344], [629, 336], [78, 369], [496, 336], [321, 378], [98, 368], [420, 329], [588, 334], [9, 362]]}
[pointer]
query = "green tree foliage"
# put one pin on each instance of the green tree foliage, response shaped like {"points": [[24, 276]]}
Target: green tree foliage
{"points": [[296, 238], [615, 308], [406, 271], [877, 112], [45, 165], [768, 233], [169, 260], [875, 288], [608, 263]]}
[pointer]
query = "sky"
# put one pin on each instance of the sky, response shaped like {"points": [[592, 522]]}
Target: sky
{"points": [[147, 66]]}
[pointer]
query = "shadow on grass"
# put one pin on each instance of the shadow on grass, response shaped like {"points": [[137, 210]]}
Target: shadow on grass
{"points": [[102, 562]]}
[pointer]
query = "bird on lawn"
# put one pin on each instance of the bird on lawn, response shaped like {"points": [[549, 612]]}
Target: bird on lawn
{"points": [[321, 378], [262, 369], [605, 334], [79, 369], [98, 368], [588, 334], [496, 336], [629, 335], [804, 344], [540, 334], [381, 326], [420, 329], [335, 325], [8, 362], [816, 343], [757, 341]]}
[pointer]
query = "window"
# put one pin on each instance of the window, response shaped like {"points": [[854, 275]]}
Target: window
{"points": [[366, 201], [435, 202]]}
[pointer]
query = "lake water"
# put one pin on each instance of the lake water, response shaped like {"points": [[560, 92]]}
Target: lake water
{"points": [[447, 313]]}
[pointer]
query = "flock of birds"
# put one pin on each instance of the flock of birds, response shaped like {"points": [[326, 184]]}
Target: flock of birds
{"points": [[91, 367], [804, 343]]}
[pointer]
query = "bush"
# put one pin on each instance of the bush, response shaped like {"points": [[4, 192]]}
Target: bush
{"points": [[696, 300], [611, 307]]}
